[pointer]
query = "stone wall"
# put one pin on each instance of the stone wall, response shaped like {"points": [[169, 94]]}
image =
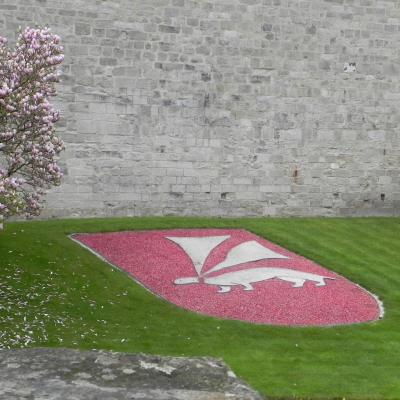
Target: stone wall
{"points": [[225, 107]]}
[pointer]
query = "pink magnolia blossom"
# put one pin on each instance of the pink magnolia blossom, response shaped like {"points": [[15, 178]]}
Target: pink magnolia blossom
{"points": [[28, 144]]}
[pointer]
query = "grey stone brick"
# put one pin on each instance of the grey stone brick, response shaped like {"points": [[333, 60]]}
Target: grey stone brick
{"points": [[169, 29], [82, 29], [108, 61]]}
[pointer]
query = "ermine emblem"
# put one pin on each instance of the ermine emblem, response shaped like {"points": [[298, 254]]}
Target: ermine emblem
{"points": [[199, 248], [247, 277]]}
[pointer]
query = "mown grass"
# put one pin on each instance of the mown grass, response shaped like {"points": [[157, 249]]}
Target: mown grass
{"points": [[55, 293]]}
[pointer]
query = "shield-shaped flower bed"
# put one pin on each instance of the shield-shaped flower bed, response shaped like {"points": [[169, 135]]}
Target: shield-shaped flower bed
{"points": [[234, 274]]}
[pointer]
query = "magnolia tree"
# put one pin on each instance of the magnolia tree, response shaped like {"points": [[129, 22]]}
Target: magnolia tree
{"points": [[28, 144]]}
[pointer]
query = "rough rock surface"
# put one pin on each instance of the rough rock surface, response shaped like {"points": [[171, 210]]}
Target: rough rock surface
{"points": [[99, 375]]}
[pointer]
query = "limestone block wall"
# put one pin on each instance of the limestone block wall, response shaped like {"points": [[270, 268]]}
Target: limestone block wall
{"points": [[225, 107]]}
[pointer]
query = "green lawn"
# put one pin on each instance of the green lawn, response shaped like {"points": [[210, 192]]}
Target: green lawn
{"points": [[55, 293]]}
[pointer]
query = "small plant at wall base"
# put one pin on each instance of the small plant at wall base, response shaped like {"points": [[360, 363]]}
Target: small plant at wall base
{"points": [[28, 144]]}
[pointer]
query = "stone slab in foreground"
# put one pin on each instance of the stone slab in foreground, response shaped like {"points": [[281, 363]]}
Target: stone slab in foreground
{"points": [[72, 374]]}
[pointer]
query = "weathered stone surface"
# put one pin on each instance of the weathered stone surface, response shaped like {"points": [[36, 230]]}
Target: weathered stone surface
{"points": [[94, 375], [228, 107]]}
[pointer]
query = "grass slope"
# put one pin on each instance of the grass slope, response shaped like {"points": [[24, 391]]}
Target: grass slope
{"points": [[55, 293]]}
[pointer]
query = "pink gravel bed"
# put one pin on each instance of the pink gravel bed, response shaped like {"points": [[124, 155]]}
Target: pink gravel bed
{"points": [[156, 262]]}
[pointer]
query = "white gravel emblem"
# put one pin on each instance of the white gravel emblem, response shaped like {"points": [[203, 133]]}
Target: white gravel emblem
{"points": [[199, 248]]}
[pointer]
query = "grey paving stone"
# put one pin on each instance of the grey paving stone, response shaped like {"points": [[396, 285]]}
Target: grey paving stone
{"points": [[65, 374]]}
